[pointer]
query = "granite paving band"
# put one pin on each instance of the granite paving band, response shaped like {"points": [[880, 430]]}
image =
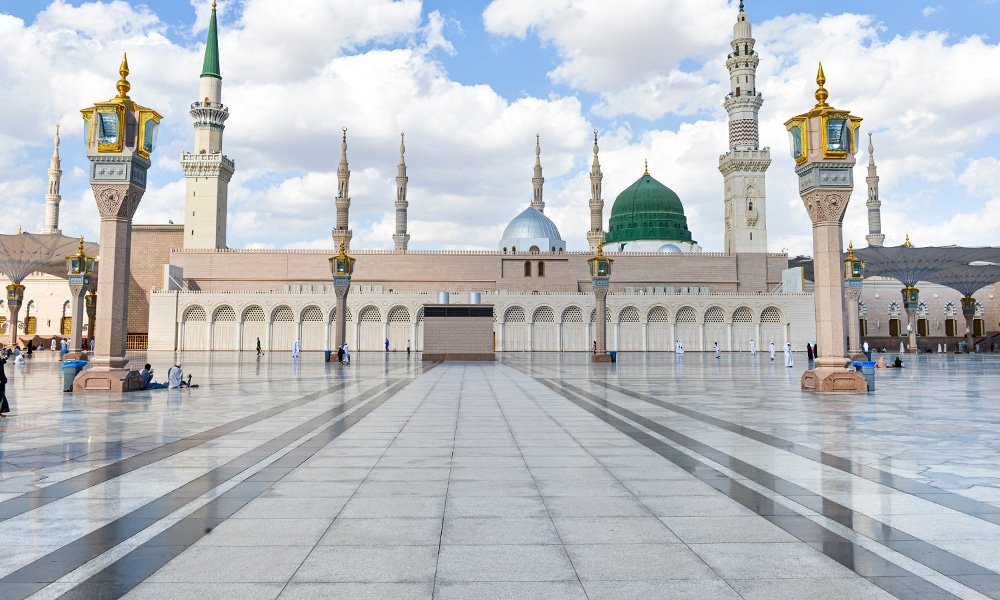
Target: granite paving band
{"points": [[36, 575], [61, 489], [883, 573], [963, 504], [938, 559]]}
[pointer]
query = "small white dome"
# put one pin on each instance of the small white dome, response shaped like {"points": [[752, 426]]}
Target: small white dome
{"points": [[668, 249]]}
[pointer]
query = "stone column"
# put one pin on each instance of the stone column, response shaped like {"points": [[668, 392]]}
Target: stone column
{"points": [[341, 289], [969, 312], [601, 322], [826, 210], [91, 302], [911, 329], [852, 294], [77, 293], [15, 297]]}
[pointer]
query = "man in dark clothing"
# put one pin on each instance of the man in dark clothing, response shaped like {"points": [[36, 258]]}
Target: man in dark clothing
{"points": [[340, 354], [4, 407]]}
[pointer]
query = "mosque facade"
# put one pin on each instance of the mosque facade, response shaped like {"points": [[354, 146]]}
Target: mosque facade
{"points": [[190, 292]]}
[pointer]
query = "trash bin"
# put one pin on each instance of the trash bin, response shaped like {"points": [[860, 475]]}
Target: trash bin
{"points": [[867, 370], [326, 355], [614, 355], [70, 369]]}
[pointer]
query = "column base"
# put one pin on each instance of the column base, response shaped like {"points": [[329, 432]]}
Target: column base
{"points": [[834, 379], [98, 379], [75, 355], [857, 356], [602, 358]]}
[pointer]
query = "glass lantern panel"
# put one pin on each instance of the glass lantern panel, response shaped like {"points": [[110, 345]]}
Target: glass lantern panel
{"points": [[795, 142], [837, 135], [107, 128], [149, 136], [74, 265], [341, 266], [602, 269]]}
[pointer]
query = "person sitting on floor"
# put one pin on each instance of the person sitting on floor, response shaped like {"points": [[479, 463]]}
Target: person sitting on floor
{"points": [[897, 364], [881, 363], [146, 375]]}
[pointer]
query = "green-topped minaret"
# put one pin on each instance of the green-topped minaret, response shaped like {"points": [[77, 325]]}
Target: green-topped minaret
{"points": [[206, 169], [210, 68]]}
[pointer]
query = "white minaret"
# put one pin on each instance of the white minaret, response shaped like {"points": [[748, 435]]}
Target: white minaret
{"points": [[744, 166], [207, 171], [401, 238], [52, 198], [875, 236], [341, 234], [595, 237], [537, 181]]}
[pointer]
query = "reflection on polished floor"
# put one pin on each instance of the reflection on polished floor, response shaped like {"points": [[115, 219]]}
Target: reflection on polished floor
{"points": [[539, 476]]}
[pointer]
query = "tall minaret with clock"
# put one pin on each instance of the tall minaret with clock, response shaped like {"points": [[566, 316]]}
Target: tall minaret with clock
{"points": [[207, 171], [744, 165]]}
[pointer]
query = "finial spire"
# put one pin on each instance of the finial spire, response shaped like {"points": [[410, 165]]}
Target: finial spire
{"points": [[645, 171], [79, 250], [538, 181], [55, 144], [402, 148], [210, 67], [741, 5], [123, 85], [907, 243], [850, 250], [821, 93], [600, 248]]}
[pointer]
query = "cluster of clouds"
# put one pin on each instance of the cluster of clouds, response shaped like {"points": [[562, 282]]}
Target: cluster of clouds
{"points": [[296, 73]]}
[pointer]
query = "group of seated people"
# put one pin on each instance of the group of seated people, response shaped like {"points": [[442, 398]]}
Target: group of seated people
{"points": [[175, 378], [896, 364]]}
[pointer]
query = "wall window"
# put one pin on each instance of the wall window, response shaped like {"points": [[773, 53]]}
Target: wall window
{"points": [[527, 268], [541, 269]]}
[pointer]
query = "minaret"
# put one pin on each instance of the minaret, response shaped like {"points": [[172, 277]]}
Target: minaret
{"points": [[595, 237], [744, 166], [206, 170], [401, 238], [875, 236], [52, 198], [341, 234], [537, 181]]}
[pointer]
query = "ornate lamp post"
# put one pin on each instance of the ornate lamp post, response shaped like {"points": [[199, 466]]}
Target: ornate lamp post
{"points": [[854, 277], [342, 267], [15, 297], [823, 144], [79, 268], [120, 136], [600, 279]]}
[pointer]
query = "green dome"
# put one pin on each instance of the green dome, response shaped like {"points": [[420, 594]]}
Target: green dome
{"points": [[647, 210]]}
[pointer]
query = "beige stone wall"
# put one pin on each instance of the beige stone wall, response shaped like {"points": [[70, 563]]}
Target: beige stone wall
{"points": [[47, 296], [879, 292], [457, 337], [151, 246], [249, 270]]}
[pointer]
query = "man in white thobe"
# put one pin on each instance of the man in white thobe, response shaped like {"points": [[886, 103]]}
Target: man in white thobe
{"points": [[753, 348], [718, 351], [347, 354], [788, 355], [770, 350], [680, 347], [296, 348]]}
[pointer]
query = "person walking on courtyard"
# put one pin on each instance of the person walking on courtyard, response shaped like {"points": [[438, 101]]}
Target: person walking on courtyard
{"points": [[340, 354], [718, 351], [347, 354], [296, 348], [809, 352], [595, 346], [4, 406], [258, 347], [753, 348], [386, 344], [52, 346], [770, 350], [788, 355], [407, 347]]}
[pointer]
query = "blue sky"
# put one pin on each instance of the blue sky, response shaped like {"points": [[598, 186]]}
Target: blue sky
{"points": [[472, 82]]}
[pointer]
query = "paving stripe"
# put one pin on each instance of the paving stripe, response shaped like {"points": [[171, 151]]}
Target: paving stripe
{"points": [[962, 504], [885, 574], [32, 577], [28, 501]]}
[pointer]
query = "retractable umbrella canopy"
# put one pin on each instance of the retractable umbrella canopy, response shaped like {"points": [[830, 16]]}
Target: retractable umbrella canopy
{"points": [[25, 253]]}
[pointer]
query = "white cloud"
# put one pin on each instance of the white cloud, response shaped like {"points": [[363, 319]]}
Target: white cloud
{"points": [[931, 10]]}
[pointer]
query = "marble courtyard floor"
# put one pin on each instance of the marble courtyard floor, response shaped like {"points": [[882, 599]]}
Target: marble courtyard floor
{"points": [[539, 476]]}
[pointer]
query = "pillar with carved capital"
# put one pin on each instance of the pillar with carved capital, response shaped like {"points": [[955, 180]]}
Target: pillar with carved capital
{"points": [[969, 312], [79, 270], [823, 144], [854, 277], [120, 136], [91, 302], [15, 297]]}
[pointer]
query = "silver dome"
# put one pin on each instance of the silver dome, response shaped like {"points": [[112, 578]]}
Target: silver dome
{"points": [[532, 228], [669, 249]]}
